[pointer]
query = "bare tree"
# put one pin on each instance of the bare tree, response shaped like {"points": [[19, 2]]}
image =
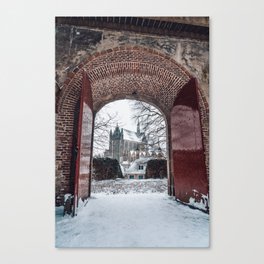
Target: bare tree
{"points": [[152, 123], [104, 121]]}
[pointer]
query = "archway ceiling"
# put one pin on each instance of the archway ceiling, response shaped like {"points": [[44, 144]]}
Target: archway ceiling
{"points": [[132, 72]]}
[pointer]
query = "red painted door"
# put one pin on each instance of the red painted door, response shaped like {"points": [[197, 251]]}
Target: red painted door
{"points": [[188, 160], [84, 145]]}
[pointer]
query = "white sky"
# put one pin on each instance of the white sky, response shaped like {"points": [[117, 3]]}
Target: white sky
{"points": [[124, 113]]}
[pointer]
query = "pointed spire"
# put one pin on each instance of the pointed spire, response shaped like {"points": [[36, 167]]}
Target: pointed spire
{"points": [[117, 128]]}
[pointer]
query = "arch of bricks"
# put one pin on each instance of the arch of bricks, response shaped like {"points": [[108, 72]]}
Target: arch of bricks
{"points": [[123, 72]]}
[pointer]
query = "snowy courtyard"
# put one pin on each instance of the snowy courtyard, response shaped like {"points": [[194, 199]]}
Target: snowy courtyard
{"points": [[132, 213]]}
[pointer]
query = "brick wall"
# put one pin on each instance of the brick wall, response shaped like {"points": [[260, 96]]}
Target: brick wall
{"points": [[146, 71]]}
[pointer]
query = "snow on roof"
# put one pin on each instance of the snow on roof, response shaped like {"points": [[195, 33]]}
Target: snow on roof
{"points": [[131, 135], [134, 166], [122, 168]]}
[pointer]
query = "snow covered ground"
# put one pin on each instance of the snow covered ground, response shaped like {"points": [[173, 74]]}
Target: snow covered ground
{"points": [[132, 213], [130, 186]]}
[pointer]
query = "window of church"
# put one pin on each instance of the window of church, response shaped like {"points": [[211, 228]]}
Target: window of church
{"points": [[131, 176], [140, 167]]}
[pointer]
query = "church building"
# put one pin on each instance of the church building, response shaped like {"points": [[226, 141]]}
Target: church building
{"points": [[126, 145]]}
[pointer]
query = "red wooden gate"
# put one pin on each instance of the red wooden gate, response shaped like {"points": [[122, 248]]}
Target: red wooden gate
{"points": [[82, 182], [188, 161]]}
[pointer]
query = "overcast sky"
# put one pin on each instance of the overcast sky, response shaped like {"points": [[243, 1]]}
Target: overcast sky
{"points": [[124, 112]]}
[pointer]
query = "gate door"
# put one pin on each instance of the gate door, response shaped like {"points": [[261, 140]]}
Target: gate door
{"points": [[188, 160], [84, 145]]}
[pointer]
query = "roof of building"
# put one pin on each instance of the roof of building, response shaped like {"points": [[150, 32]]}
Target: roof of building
{"points": [[134, 166]]}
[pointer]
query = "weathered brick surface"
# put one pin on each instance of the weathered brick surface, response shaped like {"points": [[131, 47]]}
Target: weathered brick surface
{"points": [[125, 70], [138, 67], [204, 115], [75, 44]]}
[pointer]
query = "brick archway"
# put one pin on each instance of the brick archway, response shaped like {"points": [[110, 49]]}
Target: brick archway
{"points": [[127, 69], [123, 72]]}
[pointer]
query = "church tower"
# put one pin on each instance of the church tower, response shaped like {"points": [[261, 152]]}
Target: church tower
{"points": [[116, 138], [126, 145]]}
